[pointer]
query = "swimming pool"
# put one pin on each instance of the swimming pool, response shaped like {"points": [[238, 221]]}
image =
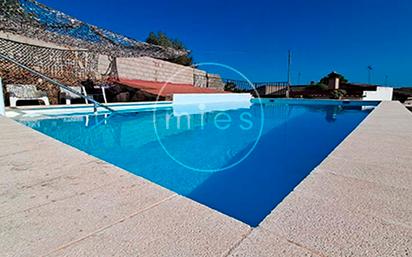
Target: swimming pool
{"points": [[240, 159]]}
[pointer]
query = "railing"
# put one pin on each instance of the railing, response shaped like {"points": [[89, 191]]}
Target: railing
{"points": [[241, 85], [263, 88], [54, 82]]}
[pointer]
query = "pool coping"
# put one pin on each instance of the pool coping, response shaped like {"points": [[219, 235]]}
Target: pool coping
{"points": [[47, 111], [356, 202]]}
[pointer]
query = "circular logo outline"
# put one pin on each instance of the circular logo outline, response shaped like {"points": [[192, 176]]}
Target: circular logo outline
{"points": [[217, 169]]}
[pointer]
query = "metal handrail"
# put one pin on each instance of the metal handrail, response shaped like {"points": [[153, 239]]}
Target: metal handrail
{"points": [[60, 85], [245, 85]]}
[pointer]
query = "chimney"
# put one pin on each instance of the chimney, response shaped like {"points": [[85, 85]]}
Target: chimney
{"points": [[333, 81]]}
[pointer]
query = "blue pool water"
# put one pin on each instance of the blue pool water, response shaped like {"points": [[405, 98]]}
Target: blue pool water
{"points": [[241, 162]]}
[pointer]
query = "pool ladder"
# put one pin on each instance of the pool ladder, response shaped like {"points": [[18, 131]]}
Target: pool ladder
{"points": [[96, 104]]}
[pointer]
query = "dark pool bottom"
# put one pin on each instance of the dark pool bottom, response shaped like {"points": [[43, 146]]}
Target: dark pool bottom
{"points": [[242, 166]]}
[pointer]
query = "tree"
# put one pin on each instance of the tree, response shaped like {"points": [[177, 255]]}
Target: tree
{"points": [[337, 93], [325, 80], [230, 86], [318, 87], [161, 39]]}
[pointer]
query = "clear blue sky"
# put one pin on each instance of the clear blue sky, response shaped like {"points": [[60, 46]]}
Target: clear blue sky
{"points": [[254, 36]]}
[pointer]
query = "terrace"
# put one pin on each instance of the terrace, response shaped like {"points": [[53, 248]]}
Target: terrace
{"points": [[98, 179], [59, 201]]}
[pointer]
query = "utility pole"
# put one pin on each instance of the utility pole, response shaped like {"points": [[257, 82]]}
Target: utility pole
{"points": [[370, 74], [289, 67], [289, 72]]}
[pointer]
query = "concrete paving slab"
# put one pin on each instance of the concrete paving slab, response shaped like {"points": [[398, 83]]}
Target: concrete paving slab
{"points": [[19, 140], [40, 230], [392, 109], [76, 179], [388, 127], [17, 173], [4, 122], [392, 204], [371, 136], [395, 175], [377, 148], [33, 144], [34, 158], [177, 227], [328, 228], [391, 118], [375, 151], [262, 243]]}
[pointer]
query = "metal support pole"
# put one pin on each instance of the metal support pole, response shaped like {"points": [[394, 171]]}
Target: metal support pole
{"points": [[104, 94], [2, 107]]}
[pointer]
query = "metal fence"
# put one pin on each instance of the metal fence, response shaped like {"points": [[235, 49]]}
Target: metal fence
{"points": [[262, 88], [63, 64], [67, 66]]}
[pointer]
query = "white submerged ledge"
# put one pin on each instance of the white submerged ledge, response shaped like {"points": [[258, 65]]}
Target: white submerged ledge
{"points": [[45, 110], [59, 201]]}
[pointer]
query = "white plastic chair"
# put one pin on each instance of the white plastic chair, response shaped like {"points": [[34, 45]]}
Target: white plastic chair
{"points": [[25, 92], [408, 101], [68, 96]]}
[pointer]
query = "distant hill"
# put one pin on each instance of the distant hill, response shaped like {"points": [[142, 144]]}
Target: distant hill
{"points": [[32, 19]]}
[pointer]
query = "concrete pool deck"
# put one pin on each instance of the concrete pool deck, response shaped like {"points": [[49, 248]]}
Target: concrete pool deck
{"points": [[58, 201]]}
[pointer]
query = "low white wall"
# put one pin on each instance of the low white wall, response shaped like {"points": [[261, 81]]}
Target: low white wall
{"points": [[381, 94], [211, 98], [186, 104]]}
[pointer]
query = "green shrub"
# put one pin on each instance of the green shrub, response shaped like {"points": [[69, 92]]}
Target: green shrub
{"points": [[318, 87], [337, 93]]}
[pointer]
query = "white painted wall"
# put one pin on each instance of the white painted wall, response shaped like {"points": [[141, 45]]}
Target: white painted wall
{"points": [[381, 94]]}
